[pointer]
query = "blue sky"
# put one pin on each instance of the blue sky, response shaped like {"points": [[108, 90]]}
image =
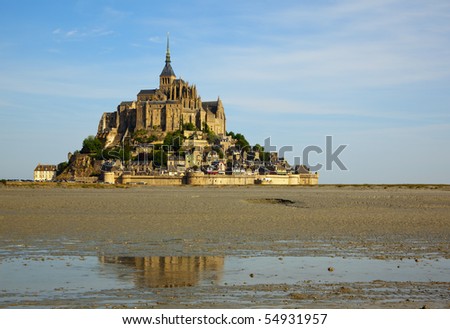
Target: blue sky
{"points": [[375, 75]]}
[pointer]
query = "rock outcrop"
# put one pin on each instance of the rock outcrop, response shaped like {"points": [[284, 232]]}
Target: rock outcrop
{"points": [[81, 166]]}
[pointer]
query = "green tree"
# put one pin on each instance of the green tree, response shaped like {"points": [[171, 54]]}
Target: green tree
{"points": [[92, 144], [264, 156], [241, 142], [159, 158], [61, 167], [125, 152], [219, 151], [213, 138], [258, 148], [189, 126], [174, 140], [139, 132]]}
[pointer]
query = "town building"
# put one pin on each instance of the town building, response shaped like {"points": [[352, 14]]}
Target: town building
{"points": [[45, 173]]}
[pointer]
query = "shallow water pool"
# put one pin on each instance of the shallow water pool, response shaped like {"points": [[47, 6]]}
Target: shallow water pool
{"points": [[40, 278]]}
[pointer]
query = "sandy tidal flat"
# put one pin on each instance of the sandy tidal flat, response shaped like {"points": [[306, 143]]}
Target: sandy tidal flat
{"points": [[397, 226]]}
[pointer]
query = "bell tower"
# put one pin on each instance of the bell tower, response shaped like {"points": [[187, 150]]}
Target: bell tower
{"points": [[167, 75]]}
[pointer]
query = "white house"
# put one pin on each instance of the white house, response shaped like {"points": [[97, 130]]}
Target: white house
{"points": [[44, 173]]}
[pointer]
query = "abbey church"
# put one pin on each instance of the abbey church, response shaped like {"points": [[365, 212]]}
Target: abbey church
{"points": [[164, 109]]}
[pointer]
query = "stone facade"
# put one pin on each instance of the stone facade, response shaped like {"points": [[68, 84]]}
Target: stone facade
{"points": [[163, 110], [44, 173]]}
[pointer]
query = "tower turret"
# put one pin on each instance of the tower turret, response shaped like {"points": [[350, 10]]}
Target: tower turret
{"points": [[167, 75]]}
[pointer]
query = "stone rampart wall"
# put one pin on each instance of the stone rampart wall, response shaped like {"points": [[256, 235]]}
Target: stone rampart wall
{"points": [[151, 180], [198, 179]]}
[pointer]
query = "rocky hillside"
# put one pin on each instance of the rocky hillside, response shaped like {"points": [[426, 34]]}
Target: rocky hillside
{"points": [[81, 166]]}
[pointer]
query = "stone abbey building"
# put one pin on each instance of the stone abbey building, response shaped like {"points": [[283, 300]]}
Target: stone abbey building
{"points": [[163, 110]]}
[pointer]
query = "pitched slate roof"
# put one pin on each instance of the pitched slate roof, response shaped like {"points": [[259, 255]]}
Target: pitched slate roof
{"points": [[41, 167], [167, 71], [147, 92], [211, 106]]}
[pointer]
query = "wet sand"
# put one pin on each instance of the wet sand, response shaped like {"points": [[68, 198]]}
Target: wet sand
{"points": [[371, 222]]}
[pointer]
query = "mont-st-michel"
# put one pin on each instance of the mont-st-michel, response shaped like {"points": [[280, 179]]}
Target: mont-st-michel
{"points": [[170, 136], [155, 186]]}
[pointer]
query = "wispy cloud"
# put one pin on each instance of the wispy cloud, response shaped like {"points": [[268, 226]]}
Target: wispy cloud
{"points": [[352, 44], [116, 14], [394, 39], [323, 109], [289, 106], [80, 81], [54, 50], [73, 33], [77, 33], [155, 39]]}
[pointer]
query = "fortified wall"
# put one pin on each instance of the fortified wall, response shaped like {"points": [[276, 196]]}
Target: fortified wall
{"points": [[200, 179]]}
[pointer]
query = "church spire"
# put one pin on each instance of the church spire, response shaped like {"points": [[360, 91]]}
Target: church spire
{"points": [[167, 75], [168, 50]]}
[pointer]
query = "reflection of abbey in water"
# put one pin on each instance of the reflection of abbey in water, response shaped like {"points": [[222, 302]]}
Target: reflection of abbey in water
{"points": [[181, 271]]}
